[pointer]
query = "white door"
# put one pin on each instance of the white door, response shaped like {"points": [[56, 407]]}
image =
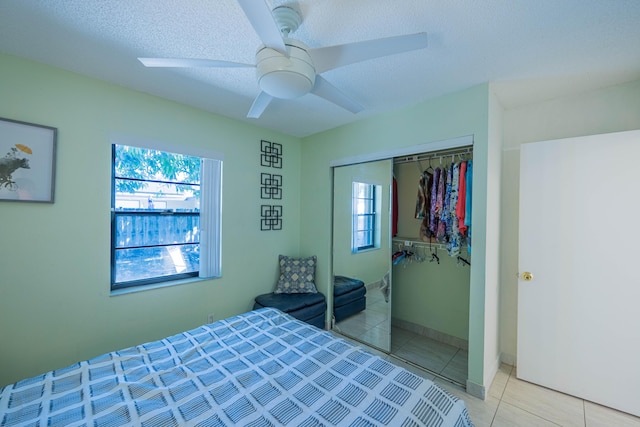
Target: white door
{"points": [[579, 316]]}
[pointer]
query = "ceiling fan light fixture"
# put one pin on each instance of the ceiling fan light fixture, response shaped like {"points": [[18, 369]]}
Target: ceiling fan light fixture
{"points": [[287, 68], [285, 77], [285, 84]]}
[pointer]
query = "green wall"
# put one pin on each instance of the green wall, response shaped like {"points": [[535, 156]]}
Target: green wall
{"points": [[55, 305]]}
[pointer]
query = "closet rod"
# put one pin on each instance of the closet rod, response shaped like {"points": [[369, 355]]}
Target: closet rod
{"points": [[434, 155], [409, 242]]}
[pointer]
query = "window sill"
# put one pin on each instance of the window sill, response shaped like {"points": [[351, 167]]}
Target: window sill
{"points": [[150, 287], [361, 251]]}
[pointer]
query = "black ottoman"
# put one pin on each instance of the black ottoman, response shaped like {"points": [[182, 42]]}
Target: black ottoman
{"points": [[308, 307], [349, 297]]}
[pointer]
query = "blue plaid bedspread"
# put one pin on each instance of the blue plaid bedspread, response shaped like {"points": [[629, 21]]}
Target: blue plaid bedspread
{"points": [[261, 368]]}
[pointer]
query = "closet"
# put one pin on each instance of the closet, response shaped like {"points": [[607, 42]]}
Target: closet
{"points": [[431, 253], [417, 278]]}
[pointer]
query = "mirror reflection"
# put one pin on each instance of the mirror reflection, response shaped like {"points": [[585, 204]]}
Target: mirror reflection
{"points": [[362, 252]]}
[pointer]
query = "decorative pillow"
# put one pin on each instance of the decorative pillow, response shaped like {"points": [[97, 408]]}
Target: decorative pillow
{"points": [[297, 275]]}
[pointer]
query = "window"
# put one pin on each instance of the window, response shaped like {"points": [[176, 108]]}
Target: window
{"points": [[366, 221], [162, 203]]}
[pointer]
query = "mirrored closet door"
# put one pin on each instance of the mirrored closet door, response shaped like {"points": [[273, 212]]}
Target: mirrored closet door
{"points": [[362, 252]]}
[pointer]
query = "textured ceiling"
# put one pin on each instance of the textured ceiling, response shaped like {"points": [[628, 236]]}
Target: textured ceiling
{"points": [[534, 50]]}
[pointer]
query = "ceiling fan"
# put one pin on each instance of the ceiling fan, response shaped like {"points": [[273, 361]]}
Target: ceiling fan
{"points": [[287, 68]]}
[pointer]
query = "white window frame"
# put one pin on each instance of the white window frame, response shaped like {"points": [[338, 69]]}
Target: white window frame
{"points": [[376, 190], [210, 208]]}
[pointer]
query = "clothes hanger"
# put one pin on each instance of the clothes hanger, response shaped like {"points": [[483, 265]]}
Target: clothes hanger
{"points": [[462, 261], [430, 167], [434, 255]]}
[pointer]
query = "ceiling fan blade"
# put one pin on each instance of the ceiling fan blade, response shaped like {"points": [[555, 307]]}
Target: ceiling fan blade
{"points": [[190, 63], [326, 90], [261, 19], [330, 57], [259, 105]]}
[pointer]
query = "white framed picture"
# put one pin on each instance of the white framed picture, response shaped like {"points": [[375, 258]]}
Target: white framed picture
{"points": [[27, 161]]}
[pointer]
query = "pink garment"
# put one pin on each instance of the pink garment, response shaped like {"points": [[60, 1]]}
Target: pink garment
{"points": [[462, 198], [394, 211]]}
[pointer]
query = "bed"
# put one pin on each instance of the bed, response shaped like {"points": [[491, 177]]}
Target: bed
{"points": [[260, 368]]}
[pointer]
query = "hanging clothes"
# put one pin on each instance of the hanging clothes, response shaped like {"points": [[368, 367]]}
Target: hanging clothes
{"points": [[467, 214], [394, 209], [445, 220], [455, 239], [443, 204], [441, 233], [422, 199], [397, 257], [440, 196], [462, 198], [433, 220]]}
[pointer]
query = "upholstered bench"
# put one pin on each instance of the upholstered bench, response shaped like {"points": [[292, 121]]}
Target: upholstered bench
{"points": [[296, 292], [308, 307], [349, 297]]}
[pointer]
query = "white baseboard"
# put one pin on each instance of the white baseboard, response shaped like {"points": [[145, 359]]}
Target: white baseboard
{"points": [[508, 359], [476, 390], [492, 371], [430, 333]]}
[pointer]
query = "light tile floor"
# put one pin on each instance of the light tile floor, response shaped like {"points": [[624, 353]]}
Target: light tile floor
{"points": [[510, 402], [372, 326], [444, 359], [513, 402]]}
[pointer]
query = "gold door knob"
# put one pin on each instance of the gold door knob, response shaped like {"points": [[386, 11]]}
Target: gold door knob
{"points": [[526, 276]]}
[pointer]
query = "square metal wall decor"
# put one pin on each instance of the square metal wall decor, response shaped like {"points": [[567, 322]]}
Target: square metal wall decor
{"points": [[271, 186], [270, 154], [271, 217]]}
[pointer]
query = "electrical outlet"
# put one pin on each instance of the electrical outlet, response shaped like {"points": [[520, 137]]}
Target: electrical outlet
{"points": [[211, 318]]}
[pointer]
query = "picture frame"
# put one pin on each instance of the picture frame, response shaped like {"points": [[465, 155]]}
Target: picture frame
{"points": [[27, 161]]}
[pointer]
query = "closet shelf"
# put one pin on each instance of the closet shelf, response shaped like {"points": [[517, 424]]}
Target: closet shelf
{"points": [[414, 241], [404, 243], [461, 152], [410, 240]]}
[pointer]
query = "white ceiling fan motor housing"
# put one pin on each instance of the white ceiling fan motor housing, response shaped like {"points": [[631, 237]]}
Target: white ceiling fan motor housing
{"points": [[283, 77]]}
